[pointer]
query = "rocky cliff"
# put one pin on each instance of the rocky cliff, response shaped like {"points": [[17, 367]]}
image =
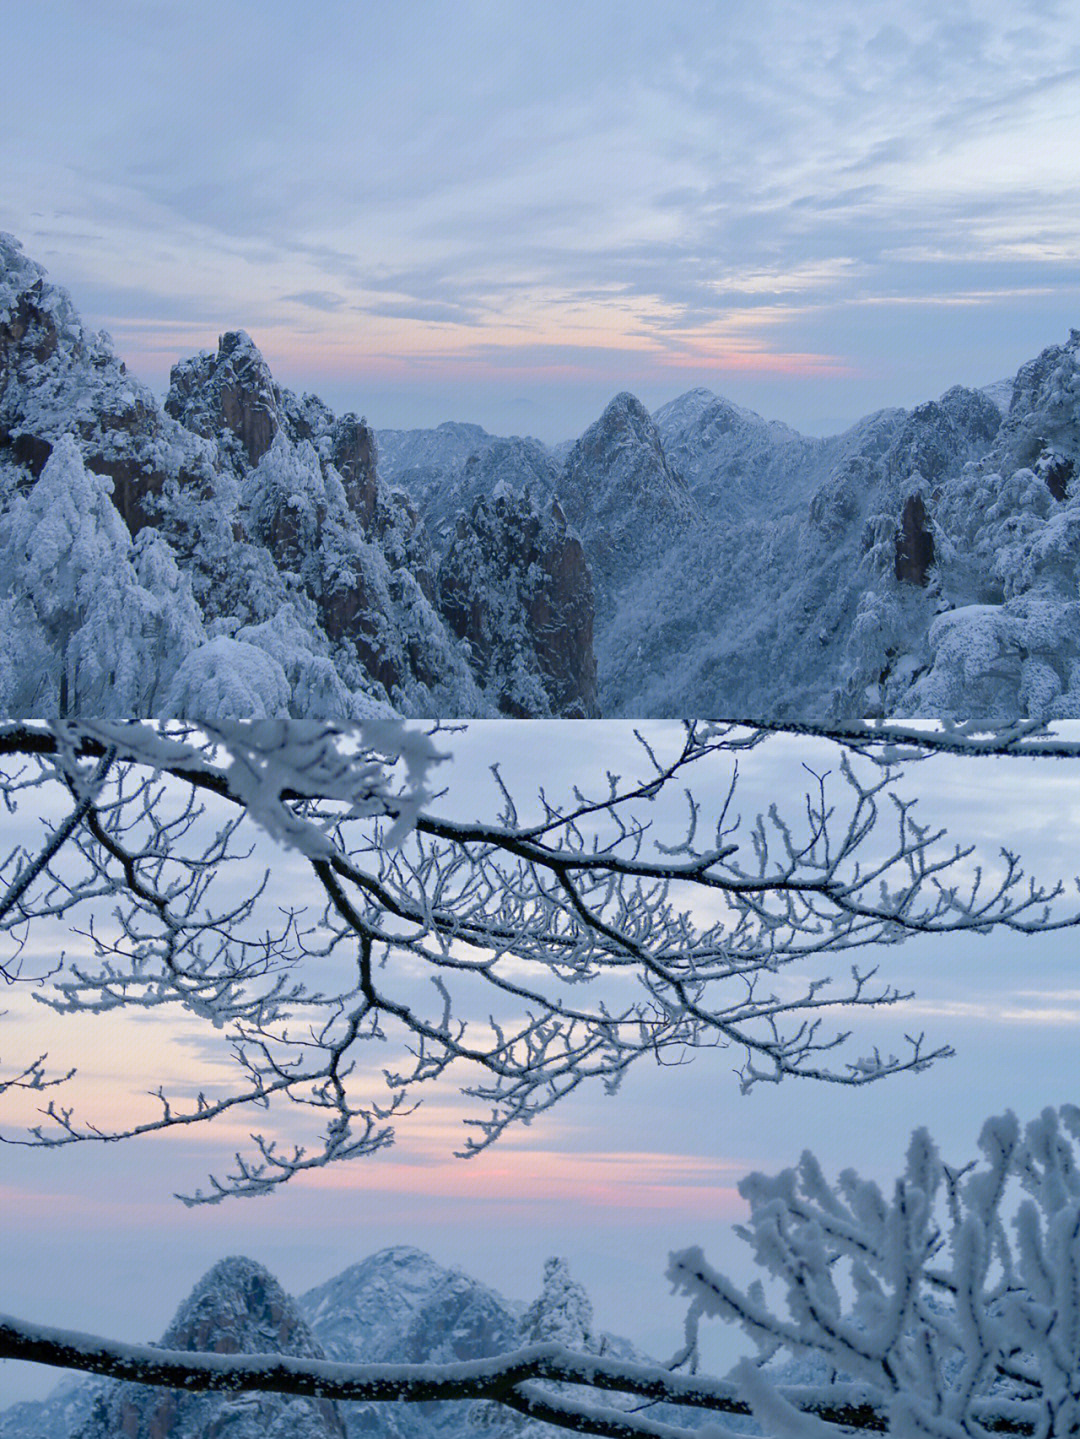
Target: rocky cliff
{"points": [[515, 588]]}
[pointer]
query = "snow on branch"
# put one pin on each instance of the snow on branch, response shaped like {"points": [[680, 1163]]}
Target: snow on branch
{"points": [[528, 958], [893, 740], [921, 1305], [524, 1380]]}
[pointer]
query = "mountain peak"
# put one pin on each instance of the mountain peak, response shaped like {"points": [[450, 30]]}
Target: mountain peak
{"points": [[237, 1307], [230, 393], [399, 1305], [626, 410], [621, 495]]}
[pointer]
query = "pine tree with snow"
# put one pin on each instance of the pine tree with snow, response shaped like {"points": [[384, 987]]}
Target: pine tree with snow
{"points": [[562, 1313], [106, 643]]}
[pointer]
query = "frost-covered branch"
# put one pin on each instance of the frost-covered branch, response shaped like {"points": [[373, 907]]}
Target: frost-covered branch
{"points": [[892, 740], [528, 957], [921, 1305], [522, 1379]]}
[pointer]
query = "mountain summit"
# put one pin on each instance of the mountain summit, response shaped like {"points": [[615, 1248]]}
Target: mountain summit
{"points": [[236, 1308]]}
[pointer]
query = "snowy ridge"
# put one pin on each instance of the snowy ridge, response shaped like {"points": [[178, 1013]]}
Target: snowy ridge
{"points": [[234, 555], [838, 605], [447, 470], [704, 560], [744, 569]]}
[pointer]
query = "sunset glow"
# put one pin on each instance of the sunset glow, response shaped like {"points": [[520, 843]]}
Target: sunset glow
{"points": [[508, 219]]}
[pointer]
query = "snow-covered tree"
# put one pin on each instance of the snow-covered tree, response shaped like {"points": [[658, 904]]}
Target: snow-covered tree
{"points": [[950, 1307], [97, 625], [562, 1312], [561, 949], [229, 679]]}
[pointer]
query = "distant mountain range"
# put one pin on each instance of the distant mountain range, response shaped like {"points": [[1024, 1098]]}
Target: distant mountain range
{"points": [[397, 1306], [243, 551]]}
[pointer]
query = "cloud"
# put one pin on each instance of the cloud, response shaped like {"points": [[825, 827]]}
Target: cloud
{"points": [[524, 175], [324, 300]]}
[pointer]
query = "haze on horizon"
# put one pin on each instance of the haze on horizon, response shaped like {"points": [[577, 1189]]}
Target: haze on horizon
{"points": [[505, 213]]}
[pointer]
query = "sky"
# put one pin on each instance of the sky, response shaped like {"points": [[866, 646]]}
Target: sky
{"points": [[505, 213], [94, 1239]]}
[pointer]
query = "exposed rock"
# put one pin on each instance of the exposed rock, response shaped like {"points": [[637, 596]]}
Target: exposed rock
{"points": [[515, 586], [1055, 471], [271, 504], [230, 393], [914, 543], [355, 454], [56, 378]]}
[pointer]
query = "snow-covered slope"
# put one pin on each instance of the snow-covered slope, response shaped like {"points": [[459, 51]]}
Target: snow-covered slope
{"points": [[624, 499], [921, 563], [447, 470], [232, 555], [734, 462], [61, 1416], [400, 1305], [932, 569]]}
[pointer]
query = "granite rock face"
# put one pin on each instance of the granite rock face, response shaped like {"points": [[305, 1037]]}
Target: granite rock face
{"points": [[57, 378], [914, 543], [230, 396], [622, 497], [514, 586], [270, 507]]}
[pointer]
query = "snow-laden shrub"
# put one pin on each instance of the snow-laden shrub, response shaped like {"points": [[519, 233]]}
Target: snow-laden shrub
{"points": [[1001, 661], [316, 689], [228, 679], [951, 1304]]}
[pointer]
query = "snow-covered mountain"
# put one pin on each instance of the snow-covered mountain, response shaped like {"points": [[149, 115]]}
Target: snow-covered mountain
{"points": [[236, 1308], [234, 553], [400, 1305], [921, 563], [396, 1306], [703, 560], [813, 599], [447, 470], [63, 1414]]}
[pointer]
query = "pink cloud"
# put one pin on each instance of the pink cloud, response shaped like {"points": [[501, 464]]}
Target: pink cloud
{"points": [[628, 1182]]}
